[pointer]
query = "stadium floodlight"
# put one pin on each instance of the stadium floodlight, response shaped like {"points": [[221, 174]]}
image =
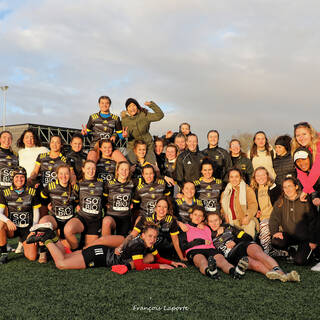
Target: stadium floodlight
{"points": [[4, 89]]}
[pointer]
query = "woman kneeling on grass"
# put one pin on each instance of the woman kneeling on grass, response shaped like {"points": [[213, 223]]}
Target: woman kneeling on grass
{"points": [[197, 243], [23, 211], [235, 244], [138, 254], [63, 198]]}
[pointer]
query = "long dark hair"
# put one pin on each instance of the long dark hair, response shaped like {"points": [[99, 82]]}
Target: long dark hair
{"points": [[36, 139], [169, 203]]}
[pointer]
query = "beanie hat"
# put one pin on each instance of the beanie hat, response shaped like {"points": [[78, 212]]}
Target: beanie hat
{"points": [[134, 101], [285, 142]]}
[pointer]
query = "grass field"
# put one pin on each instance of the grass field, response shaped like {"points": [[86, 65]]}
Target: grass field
{"points": [[33, 291]]}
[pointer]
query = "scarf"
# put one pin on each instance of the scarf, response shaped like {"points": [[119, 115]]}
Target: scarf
{"points": [[226, 200]]}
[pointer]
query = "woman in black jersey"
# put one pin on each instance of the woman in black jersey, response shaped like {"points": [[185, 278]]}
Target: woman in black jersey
{"points": [[208, 188], [148, 191], [184, 204], [168, 239], [235, 244], [76, 156], [89, 212], [8, 160], [169, 174], [63, 198], [22, 207], [106, 166], [140, 151], [119, 192], [138, 253], [47, 163], [240, 160]]}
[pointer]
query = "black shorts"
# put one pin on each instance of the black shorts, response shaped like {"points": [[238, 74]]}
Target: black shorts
{"points": [[239, 251], [123, 224], [61, 224], [91, 226], [205, 252], [22, 233], [100, 256]]}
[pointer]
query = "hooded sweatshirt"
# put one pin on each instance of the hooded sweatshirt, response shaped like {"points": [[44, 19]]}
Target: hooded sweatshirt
{"points": [[287, 214]]}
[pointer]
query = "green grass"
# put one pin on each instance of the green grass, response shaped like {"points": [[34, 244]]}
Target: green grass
{"points": [[33, 291]]}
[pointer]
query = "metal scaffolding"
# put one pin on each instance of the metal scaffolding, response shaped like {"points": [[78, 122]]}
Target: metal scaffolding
{"points": [[46, 132]]}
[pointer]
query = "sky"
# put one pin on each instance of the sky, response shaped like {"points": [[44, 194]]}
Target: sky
{"points": [[235, 66]]}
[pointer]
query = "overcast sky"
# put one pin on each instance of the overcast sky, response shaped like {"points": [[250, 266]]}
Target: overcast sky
{"points": [[236, 66]]}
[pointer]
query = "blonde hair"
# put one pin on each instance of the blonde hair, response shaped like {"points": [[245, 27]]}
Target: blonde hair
{"points": [[314, 139], [117, 170], [253, 184]]}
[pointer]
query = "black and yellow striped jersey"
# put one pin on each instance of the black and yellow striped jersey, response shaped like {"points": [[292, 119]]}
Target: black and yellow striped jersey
{"points": [[103, 128], [182, 209], [209, 193], [48, 167], [92, 195], [146, 195], [106, 169], [8, 161], [167, 226], [20, 205], [63, 199], [136, 249], [119, 197]]}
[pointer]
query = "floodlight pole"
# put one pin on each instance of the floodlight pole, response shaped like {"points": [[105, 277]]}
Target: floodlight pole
{"points": [[4, 89]]}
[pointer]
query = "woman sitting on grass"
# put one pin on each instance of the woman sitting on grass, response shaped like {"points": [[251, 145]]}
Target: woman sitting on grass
{"points": [[289, 220], [138, 253], [200, 250], [235, 244]]}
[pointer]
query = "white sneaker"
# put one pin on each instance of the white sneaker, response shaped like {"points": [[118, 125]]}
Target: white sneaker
{"points": [[274, 275], [316, 267], [19, 248], [293, 276], [45, 225]]}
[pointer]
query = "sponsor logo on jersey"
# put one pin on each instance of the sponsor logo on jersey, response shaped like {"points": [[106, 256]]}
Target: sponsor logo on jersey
{"points": [[19, 200]]}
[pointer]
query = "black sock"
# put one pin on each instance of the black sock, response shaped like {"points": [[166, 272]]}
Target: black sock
{"points": [[43, 249], [3, 249], [232, 271]]}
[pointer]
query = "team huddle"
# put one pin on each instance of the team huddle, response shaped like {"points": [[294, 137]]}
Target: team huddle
{"points": [[162, 202]]}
